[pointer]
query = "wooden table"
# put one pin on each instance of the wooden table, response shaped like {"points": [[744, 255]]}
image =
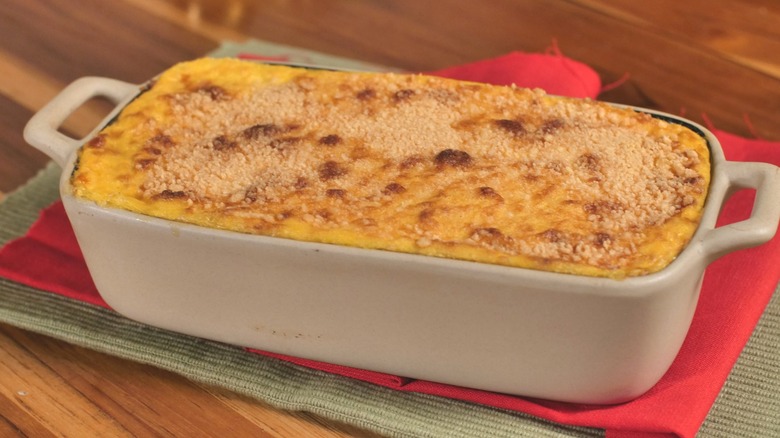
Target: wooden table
{"points": [[716, 60]]}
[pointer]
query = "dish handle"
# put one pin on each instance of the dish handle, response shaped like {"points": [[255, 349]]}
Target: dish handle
{"points": [[762, 224], [42, 130]]}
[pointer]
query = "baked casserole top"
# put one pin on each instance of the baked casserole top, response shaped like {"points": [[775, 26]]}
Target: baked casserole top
{"points": [[402, 162]]}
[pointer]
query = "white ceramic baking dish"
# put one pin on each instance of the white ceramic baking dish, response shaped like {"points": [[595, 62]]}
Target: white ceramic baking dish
{"points": [[518, 331]]}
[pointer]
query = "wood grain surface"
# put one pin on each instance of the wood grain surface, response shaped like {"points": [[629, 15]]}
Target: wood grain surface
{"points": [[715, 61]]}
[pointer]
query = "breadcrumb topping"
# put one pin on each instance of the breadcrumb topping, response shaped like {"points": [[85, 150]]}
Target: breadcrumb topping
{"points": [[413, 163]]}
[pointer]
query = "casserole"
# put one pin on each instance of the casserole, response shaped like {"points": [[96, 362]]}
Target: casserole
{"points": [[533, 333], [406, 163]]}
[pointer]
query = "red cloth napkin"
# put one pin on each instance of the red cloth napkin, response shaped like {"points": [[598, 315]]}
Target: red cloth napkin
{"points": [[735, 291]]}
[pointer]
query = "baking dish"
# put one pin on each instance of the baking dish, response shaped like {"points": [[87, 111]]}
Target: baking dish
{"points": [[539, 334]]}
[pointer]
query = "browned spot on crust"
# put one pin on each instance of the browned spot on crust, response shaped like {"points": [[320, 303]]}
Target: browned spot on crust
{"points": [[489, 192], [331, 170], [411, 161], [602, 239], [552, 235], [602, 207], [97, 142], [693, 181], [265, 129], [589, 161], [551, 126], [214, 92], [491, 236], [514, 127], [330, 140], [251, 194], [487, 232], [143, 163], [301, 183], [285, 215], [223, 143], [366, 94], [162, 140], [452, 158], [335, 193], [393, 188], [426, 215], [170, 194]]}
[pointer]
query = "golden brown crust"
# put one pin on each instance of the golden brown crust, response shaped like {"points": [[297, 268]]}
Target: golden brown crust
{"points": [[407, 163]]}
